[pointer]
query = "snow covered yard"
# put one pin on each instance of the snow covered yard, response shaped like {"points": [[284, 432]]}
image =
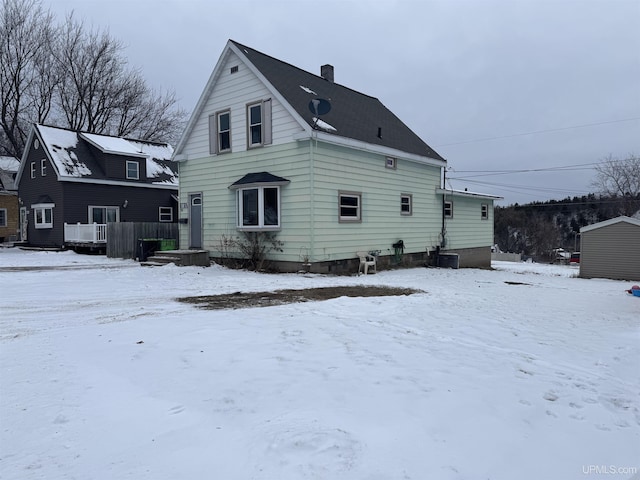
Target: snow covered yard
{"points": [[524, 372]]}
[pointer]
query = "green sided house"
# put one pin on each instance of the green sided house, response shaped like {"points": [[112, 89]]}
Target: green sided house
{"points": [[274, 151]]}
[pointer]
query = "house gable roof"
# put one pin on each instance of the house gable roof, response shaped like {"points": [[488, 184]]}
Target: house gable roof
{"points": [[75, 159], [8, 168], [353, 115], [612, 221]]}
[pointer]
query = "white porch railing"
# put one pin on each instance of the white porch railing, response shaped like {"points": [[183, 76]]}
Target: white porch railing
{"points": [[85, 232]]}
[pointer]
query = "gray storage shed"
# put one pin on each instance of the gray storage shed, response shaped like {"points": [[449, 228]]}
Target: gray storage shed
{"points": [[611, 249]]}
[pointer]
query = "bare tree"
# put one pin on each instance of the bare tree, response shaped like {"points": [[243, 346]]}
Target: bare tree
{"points": [[27, 80], [620, 178], [69, 76]]}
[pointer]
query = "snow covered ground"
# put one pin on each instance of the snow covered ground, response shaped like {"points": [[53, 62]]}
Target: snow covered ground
{"points": [[524, 372]]}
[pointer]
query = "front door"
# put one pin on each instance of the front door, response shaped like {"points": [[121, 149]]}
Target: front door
{"points": [[195, 220]]}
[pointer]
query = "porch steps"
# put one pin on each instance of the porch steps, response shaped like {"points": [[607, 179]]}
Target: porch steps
{"points": [[181, 258]]}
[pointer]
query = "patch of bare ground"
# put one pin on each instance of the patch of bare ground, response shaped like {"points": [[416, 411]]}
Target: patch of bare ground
{"points": [[281, 297]]}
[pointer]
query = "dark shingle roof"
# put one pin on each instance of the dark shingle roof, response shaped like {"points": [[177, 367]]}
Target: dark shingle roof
{"points": [[260, 177], [75, 157], [353, 115]]}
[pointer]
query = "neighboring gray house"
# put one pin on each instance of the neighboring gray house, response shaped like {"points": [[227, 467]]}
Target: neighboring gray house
{"points": [[325, 169], [71, 184], [611, 249]]}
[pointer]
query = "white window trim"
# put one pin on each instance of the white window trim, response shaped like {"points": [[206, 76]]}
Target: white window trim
{"points": [[450, 208], [409, 203], [91, 207], [3, 218], [129, 177], [42, 206], [219, 149], [32, 168], [391, 163], [260, 226], [43, 168], [249, 125], [484, 211], [349, 218], [167, 210]]}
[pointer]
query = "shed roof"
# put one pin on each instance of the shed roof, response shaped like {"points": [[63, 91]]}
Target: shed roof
{"points": [[609, 222]]}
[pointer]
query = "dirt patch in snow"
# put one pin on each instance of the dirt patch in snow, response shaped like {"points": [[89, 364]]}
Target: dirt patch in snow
{"points": [[282, 297]]}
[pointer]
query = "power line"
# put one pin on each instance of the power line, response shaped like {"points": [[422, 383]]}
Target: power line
{"points": [[550, 130]]}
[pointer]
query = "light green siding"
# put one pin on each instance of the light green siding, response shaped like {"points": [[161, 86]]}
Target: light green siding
{"points": [[467, 229], [309, 210]]}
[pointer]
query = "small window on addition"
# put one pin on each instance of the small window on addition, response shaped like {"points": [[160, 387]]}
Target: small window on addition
{"points": [[448, 209], [406, 204], [391, 163], [484, 211]]}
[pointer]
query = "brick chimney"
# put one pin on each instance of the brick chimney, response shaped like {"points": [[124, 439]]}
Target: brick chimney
{"points": [[326, 72]]}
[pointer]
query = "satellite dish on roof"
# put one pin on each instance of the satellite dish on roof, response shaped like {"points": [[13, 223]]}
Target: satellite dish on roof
{"points": [[319, 106]]}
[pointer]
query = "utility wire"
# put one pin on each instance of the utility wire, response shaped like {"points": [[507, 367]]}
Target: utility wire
{"points": [[550, 130]]}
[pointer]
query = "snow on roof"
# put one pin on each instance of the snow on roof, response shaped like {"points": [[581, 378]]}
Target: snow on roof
{"points": [[9, 164], [112, 144], [157, 156], [60, 143], [611, 221], [324, 125], [465, 193], [308, 90]]}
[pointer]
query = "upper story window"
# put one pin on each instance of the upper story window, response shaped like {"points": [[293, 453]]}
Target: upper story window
{"points": [[43, 168], [259, 123], [220, 132], [259, 208], [133, 170], [349, 206], [448, 209], [3, 217], [484, 211], [254, 127], [224, 131], [32, 169], [406, 204]]}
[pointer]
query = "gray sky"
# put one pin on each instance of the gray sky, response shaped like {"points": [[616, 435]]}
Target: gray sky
{"points": [[491, 85]]}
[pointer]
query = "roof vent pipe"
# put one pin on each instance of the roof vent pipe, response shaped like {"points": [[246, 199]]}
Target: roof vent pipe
{"points": [[326, 72]]}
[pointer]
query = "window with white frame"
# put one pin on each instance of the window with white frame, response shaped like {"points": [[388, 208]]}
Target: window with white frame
{"points": [[448, 209], [259, 123], [103, 214], [32, 168], [254, 124], [258, 208], [484, 211], [224, 131], [406, 204], [349, 206], [3, 217], [391, 163], [43, 215], [166, 214], [43, 168], [133, 170]]}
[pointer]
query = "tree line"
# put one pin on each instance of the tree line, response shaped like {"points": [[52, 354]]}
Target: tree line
{"points": [[67, 75], [537, 228]]}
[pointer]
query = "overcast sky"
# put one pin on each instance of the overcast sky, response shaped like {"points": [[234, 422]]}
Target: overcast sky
{"points": [[491, 85]]}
